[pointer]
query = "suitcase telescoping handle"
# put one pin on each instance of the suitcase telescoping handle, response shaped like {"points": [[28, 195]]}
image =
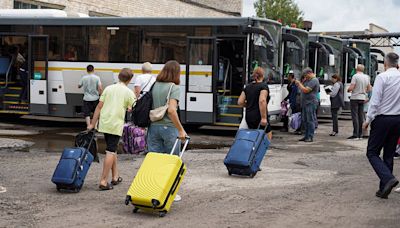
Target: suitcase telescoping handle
{"points": [[91, 139], [187, 139], [259, 125]]}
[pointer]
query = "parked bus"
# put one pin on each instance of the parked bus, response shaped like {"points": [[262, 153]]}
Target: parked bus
{"points": [[217, 56], [325, 58], [295, 51], [294, 54], [354, 52], [377, 60]]}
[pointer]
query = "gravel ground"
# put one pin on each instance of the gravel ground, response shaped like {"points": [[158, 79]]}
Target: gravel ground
{"points": [[328, 183]]}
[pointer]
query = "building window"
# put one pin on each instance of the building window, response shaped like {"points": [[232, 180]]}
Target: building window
{"points": [[35, 5]]}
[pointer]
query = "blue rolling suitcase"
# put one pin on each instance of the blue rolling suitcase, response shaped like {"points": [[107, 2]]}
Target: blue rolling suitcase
{"points": [[72, 168], [247, 152]]}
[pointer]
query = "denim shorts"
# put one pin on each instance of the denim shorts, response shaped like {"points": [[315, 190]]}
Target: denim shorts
{"points": [[161, 139]]}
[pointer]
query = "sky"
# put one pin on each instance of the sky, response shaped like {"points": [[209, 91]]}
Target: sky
{"points": [[345, 15]]}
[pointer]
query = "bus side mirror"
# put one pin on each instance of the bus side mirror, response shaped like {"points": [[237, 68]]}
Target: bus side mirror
{"points": [[331, 60]]}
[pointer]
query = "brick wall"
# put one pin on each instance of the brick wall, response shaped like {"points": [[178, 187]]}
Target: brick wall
{"points": [[229, 6], [6, 4], [145, 8]]}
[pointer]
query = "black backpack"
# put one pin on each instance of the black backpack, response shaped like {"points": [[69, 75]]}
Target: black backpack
{"points": [[87, 139], [140, 113]]}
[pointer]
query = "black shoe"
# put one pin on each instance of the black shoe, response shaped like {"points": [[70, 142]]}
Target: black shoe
{"points": [[352, 137], [333, 134], [388, 187], [308, 140], [302, 139], [379, 194], [298, 133]]}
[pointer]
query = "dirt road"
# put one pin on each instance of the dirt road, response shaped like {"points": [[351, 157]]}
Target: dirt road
{"points": [[328, 183]]}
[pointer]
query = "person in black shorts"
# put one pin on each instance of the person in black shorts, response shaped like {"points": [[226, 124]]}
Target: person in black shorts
{"points": [[92, 88], [255, 98], [110, 113]]}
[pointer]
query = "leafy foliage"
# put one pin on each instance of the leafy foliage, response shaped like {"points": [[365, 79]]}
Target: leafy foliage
{"points": [[285, 11]]}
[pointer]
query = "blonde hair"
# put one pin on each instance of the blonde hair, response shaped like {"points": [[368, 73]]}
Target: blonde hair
{"points": [[360, 68], [258, 73], [147, 67]]}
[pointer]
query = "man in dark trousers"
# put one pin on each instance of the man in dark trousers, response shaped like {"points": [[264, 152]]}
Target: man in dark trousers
{"points": [[359, 87], [384, 117]]}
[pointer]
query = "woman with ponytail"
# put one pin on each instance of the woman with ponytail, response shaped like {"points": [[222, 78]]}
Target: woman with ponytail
{"points": [[255, 98]]}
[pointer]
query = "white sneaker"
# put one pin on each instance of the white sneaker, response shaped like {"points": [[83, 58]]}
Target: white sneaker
{"points": [[3, 189], [397, 190], [177, 198]]}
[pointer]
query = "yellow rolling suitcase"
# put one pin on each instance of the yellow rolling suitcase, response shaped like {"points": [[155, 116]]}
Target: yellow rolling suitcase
{"points": [[157, 181]]}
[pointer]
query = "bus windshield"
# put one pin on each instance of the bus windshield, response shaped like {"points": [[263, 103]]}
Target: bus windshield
{"points": [[265, 55]]}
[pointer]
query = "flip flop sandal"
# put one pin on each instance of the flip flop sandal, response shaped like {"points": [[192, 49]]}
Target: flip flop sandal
{"points": [[106, 187], [119, 180]]}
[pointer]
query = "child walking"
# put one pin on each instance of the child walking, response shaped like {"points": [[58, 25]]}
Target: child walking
{"points": [[113, 103]]}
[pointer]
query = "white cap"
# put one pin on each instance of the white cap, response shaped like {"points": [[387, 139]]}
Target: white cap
{"points": [[147, 67], [291, 72]]}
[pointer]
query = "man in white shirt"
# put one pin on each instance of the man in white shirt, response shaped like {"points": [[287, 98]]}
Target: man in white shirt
{"points": [[359, 87], [92, 90], [384, 117], [144, 81]]}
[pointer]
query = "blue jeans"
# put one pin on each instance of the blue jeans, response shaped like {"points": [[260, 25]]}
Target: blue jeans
{"points": [[161, 139], [309, 117]]}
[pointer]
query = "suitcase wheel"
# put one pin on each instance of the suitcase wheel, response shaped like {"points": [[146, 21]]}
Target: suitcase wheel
{"points": [[135, 210], [127, 200], [253, 175], [58, 189], [162, 214], [76, 190], [229, 173]]}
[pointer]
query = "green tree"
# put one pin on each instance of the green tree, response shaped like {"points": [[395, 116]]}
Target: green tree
{"points": [[287, 11]]}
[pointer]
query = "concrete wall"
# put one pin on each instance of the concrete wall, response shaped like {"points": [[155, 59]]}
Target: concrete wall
{"points": [[145, 8]]}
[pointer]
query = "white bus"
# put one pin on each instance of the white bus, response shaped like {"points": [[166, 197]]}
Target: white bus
{"points": [[217, 56], [325, 58], [355, 52]]}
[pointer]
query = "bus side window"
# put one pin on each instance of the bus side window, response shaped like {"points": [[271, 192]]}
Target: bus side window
{"points": [[55, 41], [75, 43]]}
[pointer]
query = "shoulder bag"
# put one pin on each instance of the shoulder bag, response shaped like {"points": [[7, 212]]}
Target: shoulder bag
{"points": [[159, 113]]}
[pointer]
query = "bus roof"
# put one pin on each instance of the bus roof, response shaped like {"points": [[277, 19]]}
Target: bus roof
{"points": [[326, 37], [126, 21], [295, 29], [358, 41]]}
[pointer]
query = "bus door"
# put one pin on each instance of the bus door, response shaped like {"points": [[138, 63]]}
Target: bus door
{"points": [[38, 73], [199, 80]]}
